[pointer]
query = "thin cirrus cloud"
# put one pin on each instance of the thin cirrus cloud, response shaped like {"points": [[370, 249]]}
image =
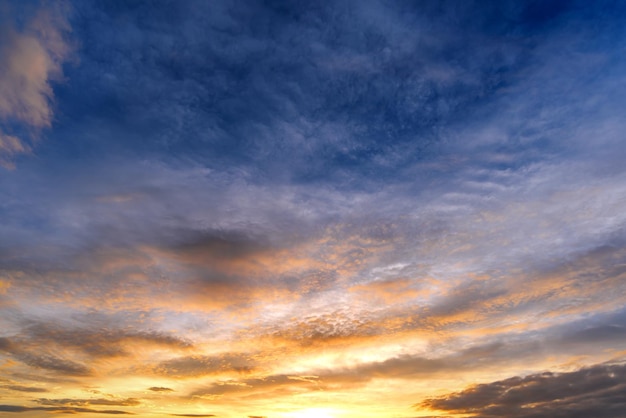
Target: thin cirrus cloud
{"points": [[364, 209]]}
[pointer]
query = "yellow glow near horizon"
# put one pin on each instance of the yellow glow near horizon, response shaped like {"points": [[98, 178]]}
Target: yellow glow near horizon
{"points": [[311, 413]]}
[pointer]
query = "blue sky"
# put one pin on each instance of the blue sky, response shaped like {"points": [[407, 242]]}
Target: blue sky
{"points": [[334, 209]]}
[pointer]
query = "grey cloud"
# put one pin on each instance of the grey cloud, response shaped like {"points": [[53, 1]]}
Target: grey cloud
{"points": [[98, 343], [44, 361], [160, 389], [600, 331], [89, 402], [25, 388], [602, 334], [210, 256], [53, 363], [6, 344], [63, 410], [211, 245], [596, 391], [468, 297]]}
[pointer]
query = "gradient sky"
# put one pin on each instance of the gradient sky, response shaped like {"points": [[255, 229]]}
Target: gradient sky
{"points": [[343, 209]]}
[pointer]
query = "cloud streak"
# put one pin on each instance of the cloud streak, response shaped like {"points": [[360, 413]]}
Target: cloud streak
{"points": [[63, 410]]}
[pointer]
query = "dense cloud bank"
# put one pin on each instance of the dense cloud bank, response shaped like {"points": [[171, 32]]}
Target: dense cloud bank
{"points": [[596, 391]]}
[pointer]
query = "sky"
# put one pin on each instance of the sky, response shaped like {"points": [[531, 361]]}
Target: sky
{"points": [[326, 209]]}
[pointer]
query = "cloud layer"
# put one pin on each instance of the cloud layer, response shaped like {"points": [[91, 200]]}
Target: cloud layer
{"points": [[372, 209]]}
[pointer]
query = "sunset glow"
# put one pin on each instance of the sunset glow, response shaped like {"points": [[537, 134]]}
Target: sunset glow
{"points": [[343, 209]]}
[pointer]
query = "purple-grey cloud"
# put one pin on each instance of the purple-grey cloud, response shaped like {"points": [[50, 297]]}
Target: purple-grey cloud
{"points": [[596, 391]]}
